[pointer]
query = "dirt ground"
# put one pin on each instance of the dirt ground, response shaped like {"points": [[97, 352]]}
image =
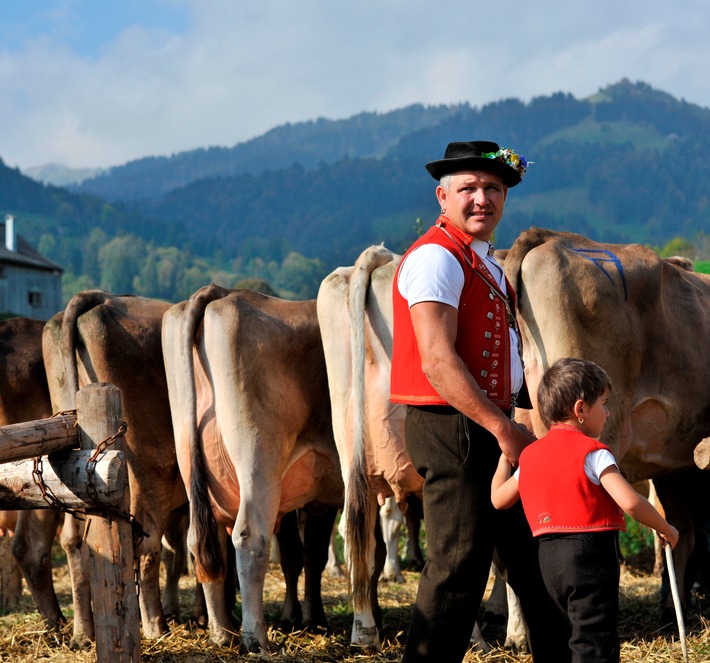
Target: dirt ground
{"points": [[23, 637]]}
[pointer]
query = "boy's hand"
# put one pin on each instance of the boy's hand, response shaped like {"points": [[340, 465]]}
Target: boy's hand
{"points": [[671, 539]]}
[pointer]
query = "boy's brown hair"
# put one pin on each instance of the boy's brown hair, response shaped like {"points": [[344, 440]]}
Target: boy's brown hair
{"points": [[564, 383]]}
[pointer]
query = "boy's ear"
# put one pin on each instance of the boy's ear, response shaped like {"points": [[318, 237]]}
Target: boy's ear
{"points": [[579, 409]]}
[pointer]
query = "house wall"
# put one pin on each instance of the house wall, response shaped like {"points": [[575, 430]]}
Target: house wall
{"points": [[30, 293]]}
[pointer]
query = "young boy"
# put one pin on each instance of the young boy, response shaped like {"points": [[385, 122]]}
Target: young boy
{"points": [[574, 498]]}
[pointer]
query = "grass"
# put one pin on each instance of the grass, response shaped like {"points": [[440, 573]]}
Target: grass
{"points": [[23, 638]]}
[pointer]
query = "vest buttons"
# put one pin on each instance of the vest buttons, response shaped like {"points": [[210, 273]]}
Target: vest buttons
{"points": [[489, 315], [491, 295], [484, 374], [488, 335], [486, 354]]}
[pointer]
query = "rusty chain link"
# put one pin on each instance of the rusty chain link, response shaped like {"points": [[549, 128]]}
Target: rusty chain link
{"points": [[137, 531], [47, 493], [91, 463]]}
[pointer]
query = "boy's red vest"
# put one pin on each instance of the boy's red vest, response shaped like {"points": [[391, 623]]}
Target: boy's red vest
{"points": [[557, 495], [482, 339]]}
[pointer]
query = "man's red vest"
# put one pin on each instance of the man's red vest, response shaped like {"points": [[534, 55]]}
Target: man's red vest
{"points": [[482, 338], [557, 495]]}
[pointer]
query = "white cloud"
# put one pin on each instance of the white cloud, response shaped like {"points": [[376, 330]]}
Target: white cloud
{"points": [[237, 69]]}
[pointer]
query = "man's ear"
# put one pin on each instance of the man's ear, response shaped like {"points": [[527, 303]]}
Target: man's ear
{"points": [[441, 196]]}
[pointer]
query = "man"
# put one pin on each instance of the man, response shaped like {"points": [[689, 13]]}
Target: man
{"points": [[456, 363]]}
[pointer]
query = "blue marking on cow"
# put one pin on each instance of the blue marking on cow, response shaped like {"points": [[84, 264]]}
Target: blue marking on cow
{"points": [[601, 256]]}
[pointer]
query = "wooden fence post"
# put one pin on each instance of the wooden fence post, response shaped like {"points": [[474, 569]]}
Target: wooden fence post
{"points": [[113, 582]]}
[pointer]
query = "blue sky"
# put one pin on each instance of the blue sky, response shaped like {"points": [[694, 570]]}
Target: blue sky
{"points": [[89, 83]]}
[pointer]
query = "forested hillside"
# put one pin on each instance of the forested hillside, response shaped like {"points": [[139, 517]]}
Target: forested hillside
{"points": [[626, 164], [308, 144]]}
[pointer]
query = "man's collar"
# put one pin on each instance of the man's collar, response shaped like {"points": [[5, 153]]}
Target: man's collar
{"points": [[461, 235], [481, 248]]}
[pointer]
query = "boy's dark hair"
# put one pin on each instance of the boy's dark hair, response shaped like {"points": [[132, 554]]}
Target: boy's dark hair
{"points": [[564, 383]]}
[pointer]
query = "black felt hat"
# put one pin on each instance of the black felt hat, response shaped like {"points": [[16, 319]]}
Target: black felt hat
{"points": [[470, 156]]}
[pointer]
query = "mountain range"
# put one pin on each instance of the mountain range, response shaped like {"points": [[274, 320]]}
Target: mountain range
{"points": [[626, 164]]}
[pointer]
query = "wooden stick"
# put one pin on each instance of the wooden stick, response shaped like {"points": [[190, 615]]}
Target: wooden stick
{"points": [[676, 601]]}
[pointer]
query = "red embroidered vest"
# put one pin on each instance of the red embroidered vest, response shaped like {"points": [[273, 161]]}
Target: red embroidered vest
{"points": [[557, 495], [482, 338]]}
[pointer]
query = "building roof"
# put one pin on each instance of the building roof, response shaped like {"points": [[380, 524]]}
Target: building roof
{"points": [[26, 256]]}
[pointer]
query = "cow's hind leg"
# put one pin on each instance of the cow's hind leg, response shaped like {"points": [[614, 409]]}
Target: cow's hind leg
{"points": [[319, 526], [174, 558], [222, 627], [391, 520], [198, 611], [413, 517], [291, 548], [380, 556], [252, 540], [367, 618], [678, 493], [32, 548], [79, 571]]}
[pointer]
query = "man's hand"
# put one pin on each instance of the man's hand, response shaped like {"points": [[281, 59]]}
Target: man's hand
{"points": [[513, 439]]}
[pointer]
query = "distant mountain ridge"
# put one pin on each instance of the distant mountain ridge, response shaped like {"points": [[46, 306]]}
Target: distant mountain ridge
{"points": [[626, 164], [305, 143], [58, 175], [616, 166]]}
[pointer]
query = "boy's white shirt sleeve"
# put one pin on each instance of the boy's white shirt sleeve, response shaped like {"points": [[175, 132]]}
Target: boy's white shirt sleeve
{"points": [[430, 273], [596, 462]]}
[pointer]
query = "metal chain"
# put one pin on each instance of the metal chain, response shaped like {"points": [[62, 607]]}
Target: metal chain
{"points": [[91, 463], [47, 493], [137, 531]]}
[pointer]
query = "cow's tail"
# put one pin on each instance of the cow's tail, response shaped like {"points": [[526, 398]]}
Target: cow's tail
{"points": [[526, 242], [209, 557], [79, 304], [360, 512]]}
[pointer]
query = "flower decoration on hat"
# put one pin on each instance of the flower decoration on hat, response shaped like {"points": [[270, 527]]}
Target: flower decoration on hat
{"points": [[516, 161]]}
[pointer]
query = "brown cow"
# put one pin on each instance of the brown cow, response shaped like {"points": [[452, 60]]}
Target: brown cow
{"points": [[251, 418], [24, 396], [646, 322], [116, 339], [355, 315]]}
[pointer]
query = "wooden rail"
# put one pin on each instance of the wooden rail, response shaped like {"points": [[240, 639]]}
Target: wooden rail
{"points": [[55, 463]]}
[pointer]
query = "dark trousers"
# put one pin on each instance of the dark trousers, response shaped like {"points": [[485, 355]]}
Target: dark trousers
{"points": [[457, 459], [581, 573]]}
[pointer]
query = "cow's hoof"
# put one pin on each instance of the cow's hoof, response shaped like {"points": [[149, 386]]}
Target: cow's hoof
{"points": [[80, 642], [517, 648], [253, 646], [156, 629], [223, 638], [200, 621], [364, 650], [290, 625]]}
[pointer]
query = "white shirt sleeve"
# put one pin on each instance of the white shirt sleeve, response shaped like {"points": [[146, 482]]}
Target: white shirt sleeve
{"points": [[596, 462], [430, 273]]}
